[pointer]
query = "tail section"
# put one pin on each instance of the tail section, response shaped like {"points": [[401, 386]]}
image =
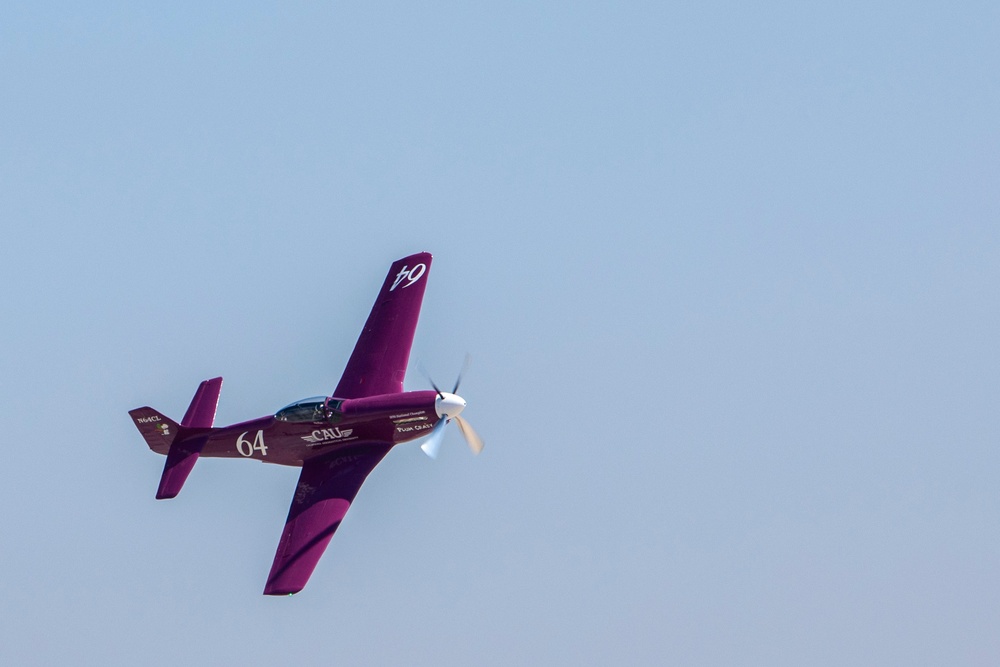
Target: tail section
{"points": [[159, 431], [181, 443], [181, 458], [201, 412]]}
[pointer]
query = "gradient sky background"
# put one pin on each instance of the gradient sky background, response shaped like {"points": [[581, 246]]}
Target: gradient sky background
{"points": [[729, 274]]}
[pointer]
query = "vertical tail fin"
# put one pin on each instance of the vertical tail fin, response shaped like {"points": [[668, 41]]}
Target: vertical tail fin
{"points": [[157, 429], [182, 442]]}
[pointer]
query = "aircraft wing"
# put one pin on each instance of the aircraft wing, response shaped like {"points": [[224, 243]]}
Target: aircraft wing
{"points": [[326, 489], [378, 363]]}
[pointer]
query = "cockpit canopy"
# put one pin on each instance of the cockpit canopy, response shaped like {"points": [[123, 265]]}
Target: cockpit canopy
{"points": [[315, 409]]}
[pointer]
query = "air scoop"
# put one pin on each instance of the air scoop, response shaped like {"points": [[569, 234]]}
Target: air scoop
{"points": [[448, 405]]}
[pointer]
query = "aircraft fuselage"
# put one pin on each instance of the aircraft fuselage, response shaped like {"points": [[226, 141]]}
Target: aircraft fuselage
{"points": [[389, 418]]}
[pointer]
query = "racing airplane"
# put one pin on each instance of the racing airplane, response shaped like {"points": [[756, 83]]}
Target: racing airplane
{"points": [[337, 440]]}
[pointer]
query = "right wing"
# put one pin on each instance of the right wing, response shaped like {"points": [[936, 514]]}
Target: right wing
{"points": [[325, 491], [378, 363]]}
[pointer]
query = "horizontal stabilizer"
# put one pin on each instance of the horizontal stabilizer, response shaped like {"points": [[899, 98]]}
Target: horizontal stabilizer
{"points": [[181, 458], [182, 443]]}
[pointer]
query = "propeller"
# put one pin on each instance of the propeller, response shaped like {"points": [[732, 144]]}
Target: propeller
{"points": [[448, 405], [471, 437], [432, 443], [465, 367], [458, 380]]}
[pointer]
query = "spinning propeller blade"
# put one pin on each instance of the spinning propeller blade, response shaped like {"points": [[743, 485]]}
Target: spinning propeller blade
{"points": [[448, 406], [430, 380], [432, 444], [440, 395], [465, 367], [471, 437]]}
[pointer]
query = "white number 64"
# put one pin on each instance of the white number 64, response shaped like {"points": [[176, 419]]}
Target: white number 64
{"points": [[247, 448]]}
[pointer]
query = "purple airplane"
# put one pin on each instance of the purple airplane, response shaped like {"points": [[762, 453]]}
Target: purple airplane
{"points": [[337, 440]]}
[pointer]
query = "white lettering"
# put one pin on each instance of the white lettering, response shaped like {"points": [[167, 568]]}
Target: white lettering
{"points": [[325, 434], [247, 448], [410, 275], [415, 427], [407, 414]]}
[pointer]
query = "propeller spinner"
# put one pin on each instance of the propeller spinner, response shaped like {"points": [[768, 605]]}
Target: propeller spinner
{"points": [[448, 406]]}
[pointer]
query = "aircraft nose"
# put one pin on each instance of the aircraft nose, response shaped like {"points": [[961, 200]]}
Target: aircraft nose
{"points": [[448, 405]]}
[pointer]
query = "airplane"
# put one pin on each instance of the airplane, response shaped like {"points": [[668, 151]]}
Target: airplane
{"points": [[337, 440]]}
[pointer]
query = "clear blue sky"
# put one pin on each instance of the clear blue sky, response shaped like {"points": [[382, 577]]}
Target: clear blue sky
{"points": [[729, 274]]}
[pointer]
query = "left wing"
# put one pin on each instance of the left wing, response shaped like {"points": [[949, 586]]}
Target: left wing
{"points": [[325, 491], [378, 363]]}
